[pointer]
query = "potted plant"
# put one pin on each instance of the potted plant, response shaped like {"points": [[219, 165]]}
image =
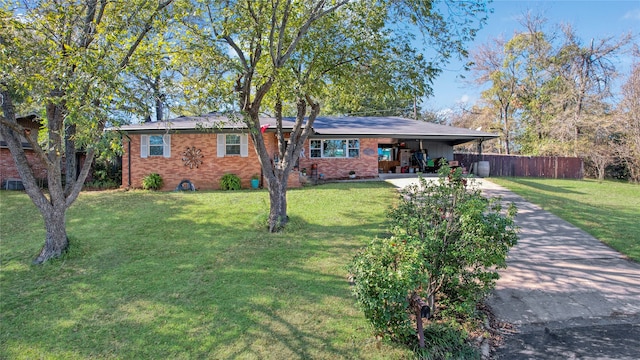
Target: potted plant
{"points": [[255, 181], [352, 174]]}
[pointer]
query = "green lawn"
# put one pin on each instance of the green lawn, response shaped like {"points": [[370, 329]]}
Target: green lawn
{"points": [[191, 275], [610, 210]]}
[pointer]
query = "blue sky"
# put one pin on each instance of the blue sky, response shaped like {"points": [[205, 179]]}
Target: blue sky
{"points": [[590, 19]]}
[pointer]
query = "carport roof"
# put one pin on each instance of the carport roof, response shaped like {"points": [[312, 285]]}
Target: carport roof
{"points": [[326, 127], [395, 127]]}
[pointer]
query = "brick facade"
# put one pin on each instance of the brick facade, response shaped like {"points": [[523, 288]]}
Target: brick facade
{"points": [[8, 169], [335, 168], [206, 176]]}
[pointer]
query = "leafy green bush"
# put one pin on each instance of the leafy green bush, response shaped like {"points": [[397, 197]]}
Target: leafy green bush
{"points": [[448, 241], [445, 341], [107, 170], [101, 184], [152, 181], [384, 274], [230, 182]]}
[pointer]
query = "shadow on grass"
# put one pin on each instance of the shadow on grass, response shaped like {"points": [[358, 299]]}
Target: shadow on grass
{"points": [[543, 187], [191, 275], [615, 226]]}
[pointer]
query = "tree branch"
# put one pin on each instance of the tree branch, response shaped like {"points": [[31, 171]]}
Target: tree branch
{"points": [[148, 26]]}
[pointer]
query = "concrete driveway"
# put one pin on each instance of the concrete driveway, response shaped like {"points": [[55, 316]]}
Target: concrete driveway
{"points": [[568, 295]]}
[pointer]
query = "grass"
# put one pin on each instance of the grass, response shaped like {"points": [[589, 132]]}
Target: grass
{"points": [[191, 275], [608, 210]]}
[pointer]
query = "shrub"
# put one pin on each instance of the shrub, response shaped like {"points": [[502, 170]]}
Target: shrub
{"points": [[101, 184], [230, 182], [107, 170], [448, 240], [152, 181], [384, 274], [445, 341]]}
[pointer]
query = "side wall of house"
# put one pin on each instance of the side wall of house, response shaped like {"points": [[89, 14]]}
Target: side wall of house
{"points": [[365, 166]]}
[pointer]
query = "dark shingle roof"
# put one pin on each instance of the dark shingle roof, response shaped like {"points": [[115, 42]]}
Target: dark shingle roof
{"points": [[328, 126], [394, 127]]}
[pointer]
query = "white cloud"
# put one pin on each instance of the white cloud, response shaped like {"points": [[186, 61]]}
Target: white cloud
{"points": [[632, 14], [463, 99]]}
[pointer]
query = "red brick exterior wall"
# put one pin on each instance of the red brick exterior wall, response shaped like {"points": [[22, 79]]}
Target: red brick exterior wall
{"points": [[8, 169], [207, 175], [335, 168]]}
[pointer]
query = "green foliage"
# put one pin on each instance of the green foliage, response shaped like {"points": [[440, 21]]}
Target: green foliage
{"points": [[448, 242], [384, 274], [230, 182], [446, 341], [107, 173], [101, 184], [152, 181], [550, 93]]}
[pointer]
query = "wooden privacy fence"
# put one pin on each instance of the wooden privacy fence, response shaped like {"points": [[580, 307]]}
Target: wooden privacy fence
{"points": [[527, 166]]}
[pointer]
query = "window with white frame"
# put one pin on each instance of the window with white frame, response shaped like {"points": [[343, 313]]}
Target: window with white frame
{"points": [[335, 148], [233, 145], [155, 145]]}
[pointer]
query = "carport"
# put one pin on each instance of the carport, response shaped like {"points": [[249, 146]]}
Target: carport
{"points": [[403, 144]]}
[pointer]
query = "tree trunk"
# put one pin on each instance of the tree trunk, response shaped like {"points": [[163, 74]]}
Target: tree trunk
{"points": [[56, 241], [71, 160], [278, 217]]}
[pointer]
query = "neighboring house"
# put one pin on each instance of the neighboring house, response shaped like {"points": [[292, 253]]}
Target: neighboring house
{"points": [[9, 177], [202, 149]]}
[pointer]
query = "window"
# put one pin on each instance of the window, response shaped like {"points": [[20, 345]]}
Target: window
{"points": [[335, 148], [233, 145], [155, 145]]}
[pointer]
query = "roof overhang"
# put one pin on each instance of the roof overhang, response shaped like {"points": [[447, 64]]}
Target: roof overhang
{"points": [[324, 127]]}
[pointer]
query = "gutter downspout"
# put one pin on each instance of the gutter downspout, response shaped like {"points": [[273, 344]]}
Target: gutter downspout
{"points": [[128, 161]]}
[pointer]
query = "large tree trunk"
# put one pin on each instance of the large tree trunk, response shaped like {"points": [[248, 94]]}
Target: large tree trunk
{"points": [[278, 217], [56, 241], [52, 206]]}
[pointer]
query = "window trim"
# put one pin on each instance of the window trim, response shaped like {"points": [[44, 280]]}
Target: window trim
{"points": [[145, 145], [222, 145], [347, 148], [159, 146]]}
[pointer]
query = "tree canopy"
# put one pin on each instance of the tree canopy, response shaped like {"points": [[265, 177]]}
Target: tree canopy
{"points": [[63, 61], [550, 92], [296, 58]]}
